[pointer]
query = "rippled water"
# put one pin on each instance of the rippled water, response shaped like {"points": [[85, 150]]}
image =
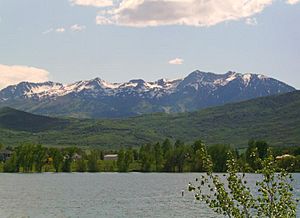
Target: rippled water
{"points": [[101, 195]]}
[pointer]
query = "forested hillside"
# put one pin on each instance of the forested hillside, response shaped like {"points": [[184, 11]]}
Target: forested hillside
{"points": [[275, 119]]}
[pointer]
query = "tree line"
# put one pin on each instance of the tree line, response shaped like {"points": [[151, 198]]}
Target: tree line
{"points": [[180, 157], [167, 156]]}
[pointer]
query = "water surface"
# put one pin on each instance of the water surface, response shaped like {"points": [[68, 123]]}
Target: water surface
{"points": [[101, 195]]}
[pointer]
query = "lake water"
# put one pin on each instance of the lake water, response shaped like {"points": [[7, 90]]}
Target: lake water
{"points": [[101, 195]]}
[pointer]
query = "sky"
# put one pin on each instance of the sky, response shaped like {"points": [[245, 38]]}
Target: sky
{"points": [[119, 40]]}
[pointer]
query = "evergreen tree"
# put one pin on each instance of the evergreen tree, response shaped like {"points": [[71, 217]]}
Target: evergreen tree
{"points": [[219, 156], [121, 160], [197, 145], [158, 156], [166, 147], [262, 149], [181, 154], [198, 157], [255, 154], [93, 162], [170, 161]]}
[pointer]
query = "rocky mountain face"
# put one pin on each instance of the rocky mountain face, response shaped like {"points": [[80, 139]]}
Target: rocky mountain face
{"points": [[97, 98]]}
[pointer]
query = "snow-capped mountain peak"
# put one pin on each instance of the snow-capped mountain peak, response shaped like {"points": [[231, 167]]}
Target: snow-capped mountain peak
{"points": [[159, 88], [197, 90]]}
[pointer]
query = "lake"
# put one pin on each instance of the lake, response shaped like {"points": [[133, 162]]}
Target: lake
{"points": [[102, 195]]}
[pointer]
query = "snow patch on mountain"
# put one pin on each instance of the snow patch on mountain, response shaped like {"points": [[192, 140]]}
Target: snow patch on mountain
{"points": [[227, 78], [197, 80], [247, 78]]}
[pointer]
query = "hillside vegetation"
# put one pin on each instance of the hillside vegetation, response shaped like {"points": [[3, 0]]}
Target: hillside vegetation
{"points": [[275, 119]]}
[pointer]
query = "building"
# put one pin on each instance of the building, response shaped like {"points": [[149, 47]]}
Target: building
{"points": [[110, 157], [284, 156]]}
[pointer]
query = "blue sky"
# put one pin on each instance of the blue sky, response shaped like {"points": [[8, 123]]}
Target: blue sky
{"points": [[70, 40]]}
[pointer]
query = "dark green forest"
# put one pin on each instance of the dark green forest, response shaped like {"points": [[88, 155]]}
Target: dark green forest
{"points": [[275, 119]]}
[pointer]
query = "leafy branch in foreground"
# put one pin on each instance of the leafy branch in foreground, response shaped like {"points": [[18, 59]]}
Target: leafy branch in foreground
{"points": [[230, 195]]}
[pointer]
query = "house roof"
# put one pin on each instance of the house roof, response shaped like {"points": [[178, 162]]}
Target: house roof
{"points": [[111, 155]]}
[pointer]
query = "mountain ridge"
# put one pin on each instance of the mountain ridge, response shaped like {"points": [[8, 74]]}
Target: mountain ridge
{"points": [[97, 98]]}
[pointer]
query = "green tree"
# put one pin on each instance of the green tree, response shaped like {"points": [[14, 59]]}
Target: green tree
{"points": [[169, 158], [128, 159], [11, 165], [135, 154], [197, 145], [81, 165], [158, 155], [67, 164], [275, 197], [57, 158], [199, 163], [121, 160], [68, 158], [25, 157], [93, 162], [146, 157], [249, 153], [166, 147], [276, 191], [181, 154], [289, 163], [255, 153], [40, 155], [170, 161], [262, 149], [219, 157]]}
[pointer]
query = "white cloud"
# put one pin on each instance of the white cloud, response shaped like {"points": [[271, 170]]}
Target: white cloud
{"points": [[101, 20], [94, 3], [77, 28], [251, 21], [48, 31], [60, 30], [73, 28], [292, 2], [10, 75], [142, 13], [176, 61]]}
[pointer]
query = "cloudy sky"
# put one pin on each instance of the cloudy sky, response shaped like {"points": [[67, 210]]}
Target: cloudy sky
{"points": [[119, 40]]}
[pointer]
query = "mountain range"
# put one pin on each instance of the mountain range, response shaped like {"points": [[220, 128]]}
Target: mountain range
{"points": [[275, 119], [97, 98]]}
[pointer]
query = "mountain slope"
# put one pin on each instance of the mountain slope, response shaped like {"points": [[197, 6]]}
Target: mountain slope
{"points": [[21, 121], [99, 99], [275, 119]]}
